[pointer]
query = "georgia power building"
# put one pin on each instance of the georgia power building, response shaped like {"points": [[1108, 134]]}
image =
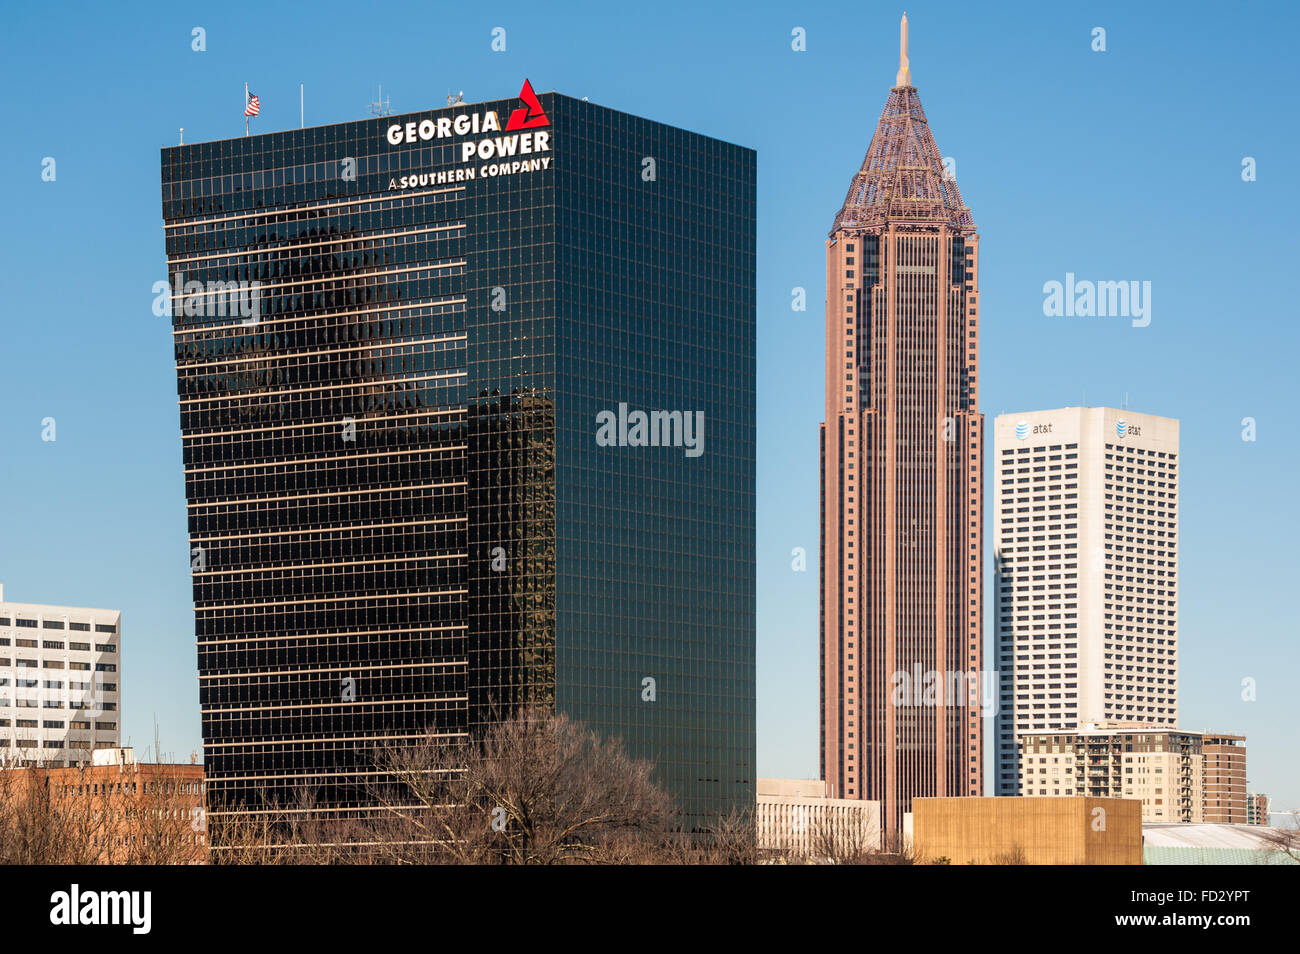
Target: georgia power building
{"points": [[402, 518], [1085, 519]]}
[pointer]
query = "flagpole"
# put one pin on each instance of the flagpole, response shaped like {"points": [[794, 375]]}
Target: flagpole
{"points": [[245, 109]]}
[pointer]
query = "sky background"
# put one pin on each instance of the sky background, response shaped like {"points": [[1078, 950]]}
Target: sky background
{"points": [[1116, 165]]}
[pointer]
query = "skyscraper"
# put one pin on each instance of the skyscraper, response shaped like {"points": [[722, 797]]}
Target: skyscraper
{"points": [[1086, 581], [405, 514], [902, 447]]}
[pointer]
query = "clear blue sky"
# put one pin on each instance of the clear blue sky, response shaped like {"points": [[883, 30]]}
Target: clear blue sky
{"points": [[1117, 165]]}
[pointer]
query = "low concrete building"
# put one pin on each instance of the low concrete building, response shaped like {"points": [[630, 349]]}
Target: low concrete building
{"points": [[1028, 831], [796, 819]]}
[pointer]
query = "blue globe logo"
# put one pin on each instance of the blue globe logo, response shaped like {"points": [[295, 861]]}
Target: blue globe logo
{"points": [[1022, 430], [1121, 428]]}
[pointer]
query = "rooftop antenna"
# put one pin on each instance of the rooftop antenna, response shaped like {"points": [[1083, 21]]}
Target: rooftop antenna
{"points": [[904, 69], [182, 135], [381, 106]]}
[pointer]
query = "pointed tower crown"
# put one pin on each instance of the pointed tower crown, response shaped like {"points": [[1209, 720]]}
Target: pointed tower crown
{"points": [[904, 67], [902, 178]]}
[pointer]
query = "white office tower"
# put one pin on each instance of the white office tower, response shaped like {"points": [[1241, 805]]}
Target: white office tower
{"points": [[1085, 594], [60, 683]]}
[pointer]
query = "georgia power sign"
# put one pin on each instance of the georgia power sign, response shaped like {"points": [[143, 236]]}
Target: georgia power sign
{"points": [[481, 157]]}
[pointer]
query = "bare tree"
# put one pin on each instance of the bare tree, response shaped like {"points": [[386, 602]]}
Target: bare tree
{"points": [[271, 832], [86, 815], [535, 789], [845, 839], [1284, 841], [538, 788], [246, 838], [895, 849], [1015, 855], [155, 823], [731, 841], [42, 824]]}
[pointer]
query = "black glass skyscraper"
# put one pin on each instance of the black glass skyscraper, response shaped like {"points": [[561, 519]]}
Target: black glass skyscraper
{"points": [[396, 342]]}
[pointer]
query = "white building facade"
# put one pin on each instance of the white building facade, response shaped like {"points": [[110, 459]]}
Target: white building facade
{"points": [[1085, 524], [795, 818], [60, 683]]}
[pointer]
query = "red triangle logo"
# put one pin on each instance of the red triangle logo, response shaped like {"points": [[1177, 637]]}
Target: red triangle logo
{"points": [[531, 115]]}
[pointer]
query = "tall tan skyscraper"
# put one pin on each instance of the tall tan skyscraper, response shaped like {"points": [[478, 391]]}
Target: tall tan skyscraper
{"points": [[902, 483]]}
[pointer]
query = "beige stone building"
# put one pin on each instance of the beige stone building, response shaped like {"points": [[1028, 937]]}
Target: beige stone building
{"points": [[1176, 775], [1028, 831], [796, 819]]}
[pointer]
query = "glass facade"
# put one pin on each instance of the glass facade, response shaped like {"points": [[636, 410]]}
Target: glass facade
{"points": [[401, 516]]}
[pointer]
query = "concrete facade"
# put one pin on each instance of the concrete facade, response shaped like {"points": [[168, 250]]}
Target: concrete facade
{"points": [[1086, 586], [796, 818], [60, 682], [1032, 831]]}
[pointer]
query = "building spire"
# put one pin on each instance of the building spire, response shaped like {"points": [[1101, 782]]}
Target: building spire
{"points": [[904, 70]]}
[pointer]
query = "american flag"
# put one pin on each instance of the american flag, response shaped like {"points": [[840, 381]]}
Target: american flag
{"points": [[254, 106]]}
